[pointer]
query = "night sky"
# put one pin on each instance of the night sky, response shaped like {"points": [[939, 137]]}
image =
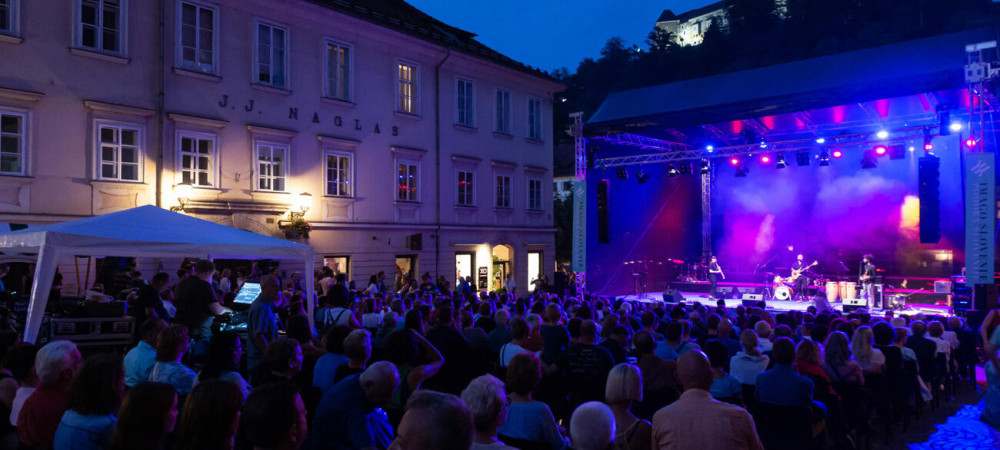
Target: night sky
{"points": [[550, 34]]}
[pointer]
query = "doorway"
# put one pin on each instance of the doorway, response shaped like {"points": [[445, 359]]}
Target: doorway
{"points": [[463, 267], [534, 269], [503, 257], [339, 265]]}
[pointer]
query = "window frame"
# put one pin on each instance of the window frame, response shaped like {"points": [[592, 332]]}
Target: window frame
{"points": [[409, 162], [537, 122], [14, 13], [213, 170], [99, 39], [349, 91], [506, 194], [531, 206], [506, 115], [414, 84], [471, 191], [179, 60], [469, 118], [257, 144], [24, 137], [286, 62], [98, 150], [326, 173]]}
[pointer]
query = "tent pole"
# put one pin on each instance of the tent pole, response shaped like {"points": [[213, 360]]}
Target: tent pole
{"points": [[45, 270], [310, 267]]}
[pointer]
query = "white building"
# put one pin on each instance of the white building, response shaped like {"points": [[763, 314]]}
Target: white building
{"points": [[688, 28], [417, 147]]}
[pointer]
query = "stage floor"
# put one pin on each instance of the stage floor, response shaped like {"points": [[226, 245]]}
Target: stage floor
{"points": [[783, 305]]}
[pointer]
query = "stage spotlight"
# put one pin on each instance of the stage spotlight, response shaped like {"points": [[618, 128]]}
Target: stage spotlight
{"points": [[779, 161], [955, 126], [820, 140], [837, 154], [765, 159], [671, 171], [641, 176], [881, 150], [704, 166], [763, 144], [710, 148], [970, 142], [734, 161], [684, 168], [622, 174], [882, 134], [897, 151], [870, 160], [824, 158], [802, 158]]}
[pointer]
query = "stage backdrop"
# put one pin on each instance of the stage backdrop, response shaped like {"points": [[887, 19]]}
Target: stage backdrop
{"points": [[836, 214]]}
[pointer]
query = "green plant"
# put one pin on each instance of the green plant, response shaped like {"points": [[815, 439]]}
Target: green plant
{"points": [[297, 227]]}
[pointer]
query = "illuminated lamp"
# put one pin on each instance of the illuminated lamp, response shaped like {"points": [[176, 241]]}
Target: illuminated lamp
{"points": [[779, 161], [970, 142], [765, 159], [881, 150], [882, 134], [671, 171], [734, 161], [928, 145], [710, 148], [837, 154]]}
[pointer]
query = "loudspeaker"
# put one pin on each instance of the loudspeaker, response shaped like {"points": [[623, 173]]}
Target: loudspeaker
{"points": [[672, 296], [852, 304], [753, 297], [929, 192], [603, 229], [415, 242], [726, 290]]}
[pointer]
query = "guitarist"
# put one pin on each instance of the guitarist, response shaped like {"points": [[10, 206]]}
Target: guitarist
{"points": [[867, 280], [799, 277]]}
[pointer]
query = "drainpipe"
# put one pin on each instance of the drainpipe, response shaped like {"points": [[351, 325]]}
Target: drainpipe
{"points": [[437, 162], [160, 61]]}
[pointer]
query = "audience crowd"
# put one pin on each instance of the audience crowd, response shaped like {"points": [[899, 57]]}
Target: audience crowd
{"points": [[417, 366]]}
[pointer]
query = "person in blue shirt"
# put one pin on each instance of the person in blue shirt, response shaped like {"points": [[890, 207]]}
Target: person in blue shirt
{"points": [[262, 322], [171, 346], [140, 360], [349, 414], [327, 365], [782, 385], [94, 398]]}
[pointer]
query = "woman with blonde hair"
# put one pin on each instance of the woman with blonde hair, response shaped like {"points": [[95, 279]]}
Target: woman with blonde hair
{"points": [[623, 389], [870, 359]]}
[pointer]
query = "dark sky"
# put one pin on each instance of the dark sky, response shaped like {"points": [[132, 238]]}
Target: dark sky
{"points": [[550, 34]]}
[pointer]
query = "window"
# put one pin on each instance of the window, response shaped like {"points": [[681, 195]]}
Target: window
{"points": [[119, 153], [196, 37], [271, 60], [406, 187], [8, 17], [406, 87], [196, 155], [503, 111], [338, 174], [338, 71], [534, 118], [503, 191], [535, 195], [465, 188], [465, 96], [100, 26], [12, 143], [271, 160]]}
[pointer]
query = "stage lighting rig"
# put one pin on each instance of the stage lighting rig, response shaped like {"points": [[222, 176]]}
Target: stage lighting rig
{"points": [[880, 150], [704, 166], [837, 154], [897, 151], [622, 174], [684, 168], [671, 171], [802, 158], [824, 158], [641, 176], [779, 161]]}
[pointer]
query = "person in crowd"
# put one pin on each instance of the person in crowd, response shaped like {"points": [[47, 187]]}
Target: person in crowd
{"points": [[869, 358], [147, 415], [282, 361], [693, 420], [454, 373], [528, 419], [554, 334], [809, 363], [197, 304], [518, 334], [623, 390], [749, 362], [140, 360], [56, 364], [902, 334], [262, 322], [989, 331], [274, 417], [349, 414], [171, 345], [763, 330], [838, 364], [20, 361], [501, 334], [149, 302], [371, 319], [94, 399], [592, 427], [210, 417], [327, 365], [725, 335], [434, 420], [617, 343], [223, 361], [486, 399], [479, 341], [403, 349], [725, 387], [781, 385], [358, 349], [935, 331], [586, 367], [660, 383]]}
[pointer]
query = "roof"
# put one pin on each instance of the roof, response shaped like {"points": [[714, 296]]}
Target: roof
{"points": [[400, 16], [907, 68], [668, 15]]}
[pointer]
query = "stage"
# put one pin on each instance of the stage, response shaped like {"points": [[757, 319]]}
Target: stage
{"points": [[781, 306]]}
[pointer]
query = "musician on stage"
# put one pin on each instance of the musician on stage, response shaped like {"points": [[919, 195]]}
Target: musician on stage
{"points": [[802, 281], [867, 280], [714, 271]]}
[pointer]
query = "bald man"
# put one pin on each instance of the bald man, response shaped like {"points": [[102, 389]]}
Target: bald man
{"points": [[696, 420], [592, 427], [350, 416]]}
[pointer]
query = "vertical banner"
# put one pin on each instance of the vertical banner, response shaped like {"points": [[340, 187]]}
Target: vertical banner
{"points": [[980, 210], [580, 226]]}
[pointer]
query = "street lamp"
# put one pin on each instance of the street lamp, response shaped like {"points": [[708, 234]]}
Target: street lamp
{"points": [[302, 202], [183, 192]]}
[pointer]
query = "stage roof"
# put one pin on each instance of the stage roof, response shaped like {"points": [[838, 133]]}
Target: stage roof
{"points": [[909, 68]]}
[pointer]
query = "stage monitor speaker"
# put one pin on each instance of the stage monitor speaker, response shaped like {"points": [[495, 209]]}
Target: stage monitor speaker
{"points": [[853, 304], [672, 296], [726, 290], [930, 202], [603, 227], [753, 297]]}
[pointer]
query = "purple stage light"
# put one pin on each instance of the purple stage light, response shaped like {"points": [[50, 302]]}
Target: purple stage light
{"points": [[881, 150], [765, 159], [837, 153], [970, 142]]}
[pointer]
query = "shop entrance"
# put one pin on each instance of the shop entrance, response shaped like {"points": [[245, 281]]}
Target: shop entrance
{"points": [[534, 269], [503, 258], [463, 268]]}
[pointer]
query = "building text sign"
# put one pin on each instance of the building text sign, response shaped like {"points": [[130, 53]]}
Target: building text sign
{"points": [[980, 213], [580, 226]]}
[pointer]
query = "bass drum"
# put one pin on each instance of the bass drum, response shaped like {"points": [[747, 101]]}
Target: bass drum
{"points": [[782, 293]]}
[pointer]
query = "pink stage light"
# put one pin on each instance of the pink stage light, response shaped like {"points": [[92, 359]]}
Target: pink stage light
{"points": [[928, 147], [765, 159], [734, 161], [970, 142], [837, 153], [881, 150]]}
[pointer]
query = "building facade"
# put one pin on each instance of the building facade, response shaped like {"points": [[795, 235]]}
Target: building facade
{"points": [[404, 144], [688, 28]]}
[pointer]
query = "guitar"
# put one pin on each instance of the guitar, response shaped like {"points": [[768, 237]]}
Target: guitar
{"points": [[797, 273]]}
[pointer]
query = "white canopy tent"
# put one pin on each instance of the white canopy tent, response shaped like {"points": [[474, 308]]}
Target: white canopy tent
{"points": [[146, 231]]}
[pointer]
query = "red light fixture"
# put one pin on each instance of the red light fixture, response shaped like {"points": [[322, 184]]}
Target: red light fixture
{"points": [[837, 153], [765, 159], [970, 142], [881, 150], [734, 161], [928, 147]]}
